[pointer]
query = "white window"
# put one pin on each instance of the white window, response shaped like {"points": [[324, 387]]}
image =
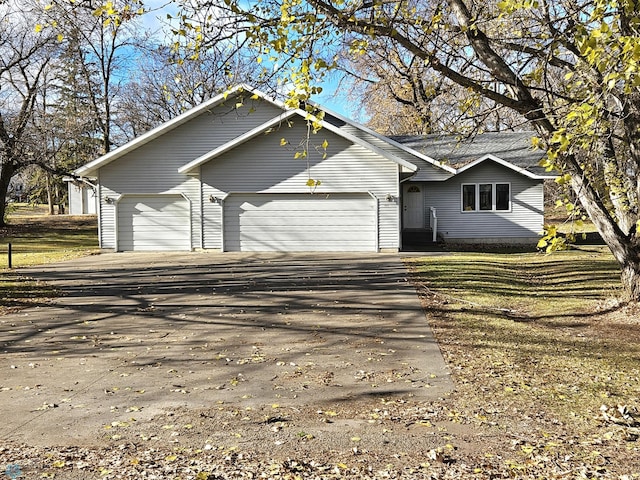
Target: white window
{"points": [[486, 197]]}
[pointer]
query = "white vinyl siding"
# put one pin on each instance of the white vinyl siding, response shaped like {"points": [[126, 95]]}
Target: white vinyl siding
{"points": [[265, 166], [153, 168], [300, 222], [153, 222], [524, 219], [427, 171]]}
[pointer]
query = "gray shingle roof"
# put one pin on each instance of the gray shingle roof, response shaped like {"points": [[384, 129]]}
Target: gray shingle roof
{"points": [[512, 147]]}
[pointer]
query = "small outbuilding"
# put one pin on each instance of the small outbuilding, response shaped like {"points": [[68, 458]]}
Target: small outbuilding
{"points": [[242, 172]]}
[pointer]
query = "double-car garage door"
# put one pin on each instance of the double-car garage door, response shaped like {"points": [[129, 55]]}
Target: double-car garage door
{"points": [[300, 222], [254, 222]]}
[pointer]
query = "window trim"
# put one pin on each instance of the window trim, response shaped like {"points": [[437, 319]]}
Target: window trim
{"points": [[476, 186]]}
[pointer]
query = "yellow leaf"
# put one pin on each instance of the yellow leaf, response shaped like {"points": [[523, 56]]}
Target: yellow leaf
{"points": [[355, 439], [171, 458], [283, 142], [38, 28], [527, 449], [59, 464]]}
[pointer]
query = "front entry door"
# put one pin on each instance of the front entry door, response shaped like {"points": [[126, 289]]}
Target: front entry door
{"points": [[412, 207]]}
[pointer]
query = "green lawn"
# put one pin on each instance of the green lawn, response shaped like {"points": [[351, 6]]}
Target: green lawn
{"points": [[37, 238]]}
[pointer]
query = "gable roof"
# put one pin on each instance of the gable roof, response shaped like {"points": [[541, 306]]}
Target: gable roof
{"points": [[445, 153], [278, 119], [510, 149], [160, 130]]}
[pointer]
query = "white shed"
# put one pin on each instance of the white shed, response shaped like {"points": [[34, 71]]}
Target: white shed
{"points": [[82, 198]]}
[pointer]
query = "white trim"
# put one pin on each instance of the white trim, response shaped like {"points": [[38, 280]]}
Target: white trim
{"points": [[201, 202], [99, 211], [169, 125], [377, 220], [504, 163], [222, 225]]}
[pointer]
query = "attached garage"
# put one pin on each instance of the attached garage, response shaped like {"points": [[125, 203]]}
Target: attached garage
{"points": [[153, 222], [300, 222]]}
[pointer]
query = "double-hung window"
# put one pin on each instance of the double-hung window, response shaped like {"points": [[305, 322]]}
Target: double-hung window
{"points": [[486, 197]]}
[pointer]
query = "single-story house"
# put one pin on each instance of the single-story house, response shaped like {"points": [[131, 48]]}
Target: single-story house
{"points": [[243, 172]]}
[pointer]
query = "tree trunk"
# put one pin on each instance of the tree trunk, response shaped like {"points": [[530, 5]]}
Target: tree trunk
{"points": [[623, 245], [49, 195], [630, 277], [6, 174]]}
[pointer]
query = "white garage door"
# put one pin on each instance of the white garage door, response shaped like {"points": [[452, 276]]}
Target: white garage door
{"points": [[153, 222], [300, 222]]}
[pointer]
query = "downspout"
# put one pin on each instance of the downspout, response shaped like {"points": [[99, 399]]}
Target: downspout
{"points": [[201, 208], [99, 210]]}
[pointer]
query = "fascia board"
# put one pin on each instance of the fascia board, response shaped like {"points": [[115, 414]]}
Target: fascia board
{"points": [[504, 163]]}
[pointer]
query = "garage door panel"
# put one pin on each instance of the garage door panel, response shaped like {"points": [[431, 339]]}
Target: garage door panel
{"points": [[309, 220], [299, 222], [154, 222]]}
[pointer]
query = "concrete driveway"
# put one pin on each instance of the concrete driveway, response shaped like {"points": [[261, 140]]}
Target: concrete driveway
{"points": [[141, 334]]}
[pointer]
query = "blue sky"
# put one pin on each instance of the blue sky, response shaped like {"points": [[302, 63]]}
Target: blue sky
{"points": [[335, 98], [332, 97]]}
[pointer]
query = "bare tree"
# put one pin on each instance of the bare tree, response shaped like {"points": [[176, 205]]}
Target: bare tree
{"points": [[24, 58]]}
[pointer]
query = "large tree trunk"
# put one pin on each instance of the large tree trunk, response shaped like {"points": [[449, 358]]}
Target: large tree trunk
{"points": [[630, 277], [623, 245], [6, 174]]}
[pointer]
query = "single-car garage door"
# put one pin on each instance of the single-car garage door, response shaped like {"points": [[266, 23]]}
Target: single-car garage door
{"points": [[153, 222], [300, 222]]}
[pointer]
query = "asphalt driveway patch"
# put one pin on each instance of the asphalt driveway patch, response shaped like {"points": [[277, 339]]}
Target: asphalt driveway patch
{"points": [[134, 336]]}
